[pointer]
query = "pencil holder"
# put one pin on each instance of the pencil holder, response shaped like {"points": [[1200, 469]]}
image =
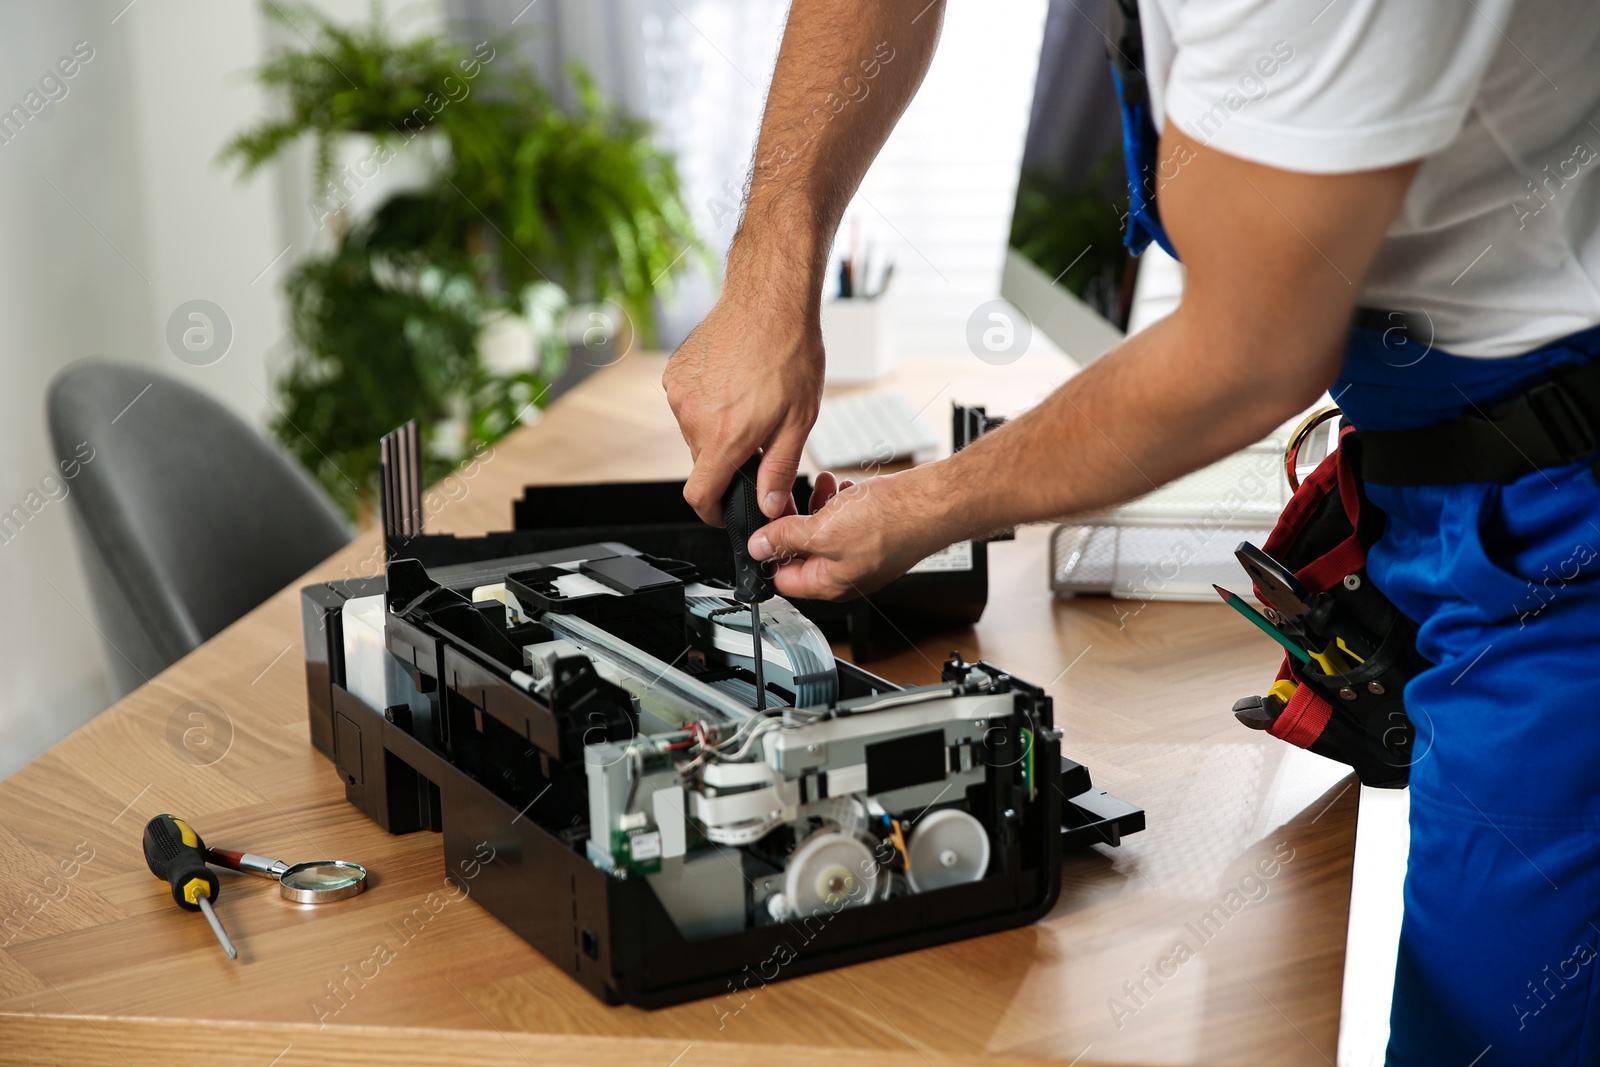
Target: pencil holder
{"points": [[858, 336]]}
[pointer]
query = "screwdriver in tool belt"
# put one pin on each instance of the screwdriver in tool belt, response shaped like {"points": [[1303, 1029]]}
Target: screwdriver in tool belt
{"points": [[752, 579], [176, 855]]}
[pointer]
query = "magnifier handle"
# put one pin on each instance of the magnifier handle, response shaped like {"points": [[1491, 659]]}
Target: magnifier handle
{"points": [[247, 862]]}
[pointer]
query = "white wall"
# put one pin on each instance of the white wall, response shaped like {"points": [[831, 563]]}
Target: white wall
{"points": [[66, 291], [939, 198], [153, 221]]}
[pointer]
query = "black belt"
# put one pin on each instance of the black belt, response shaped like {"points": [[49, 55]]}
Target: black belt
{"points": [[1551, 424]]}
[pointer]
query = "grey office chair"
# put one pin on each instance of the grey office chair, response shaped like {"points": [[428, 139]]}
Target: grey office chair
{"points": [[185, 517]]}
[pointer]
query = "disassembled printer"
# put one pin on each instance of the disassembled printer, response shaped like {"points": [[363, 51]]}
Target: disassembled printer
{"points": [[579, 718]]}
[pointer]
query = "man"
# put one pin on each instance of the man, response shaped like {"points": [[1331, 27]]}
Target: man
{"points": [[1424, 168]]}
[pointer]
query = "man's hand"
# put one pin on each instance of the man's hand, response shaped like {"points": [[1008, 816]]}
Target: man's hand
{"points": [[751, 376], [748, 377], [858, 537]]}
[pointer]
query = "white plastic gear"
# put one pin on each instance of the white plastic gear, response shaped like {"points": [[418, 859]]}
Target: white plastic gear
{"points": [[948, 847], [829, 871]]}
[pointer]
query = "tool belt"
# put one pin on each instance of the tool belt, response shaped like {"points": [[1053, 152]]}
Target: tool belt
{"points": [[1348, 702]]}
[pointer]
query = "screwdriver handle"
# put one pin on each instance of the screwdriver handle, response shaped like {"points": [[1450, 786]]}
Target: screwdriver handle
{"points": [[752, 579], [176, 855]]}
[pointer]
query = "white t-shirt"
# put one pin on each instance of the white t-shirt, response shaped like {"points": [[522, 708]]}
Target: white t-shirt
{"points": [[1498, 240]]}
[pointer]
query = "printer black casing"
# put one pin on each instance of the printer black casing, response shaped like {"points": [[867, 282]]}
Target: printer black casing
{"points": [[477, 757]]}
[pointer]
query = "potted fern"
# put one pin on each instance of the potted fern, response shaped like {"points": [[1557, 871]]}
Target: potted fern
{"points": [[513, 211]]}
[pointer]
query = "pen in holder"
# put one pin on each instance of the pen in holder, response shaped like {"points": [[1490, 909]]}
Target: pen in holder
{"points": [[857, 330]]}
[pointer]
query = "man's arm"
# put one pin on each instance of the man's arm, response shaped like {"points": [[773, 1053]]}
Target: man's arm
{"points": [[750, 376], [1273, 265]]}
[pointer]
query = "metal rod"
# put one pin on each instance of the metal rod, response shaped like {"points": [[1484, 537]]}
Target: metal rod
{"points": [[591, 638], [414, 458], [761, 677], [216, 928], [386, 488], [405, 481]]}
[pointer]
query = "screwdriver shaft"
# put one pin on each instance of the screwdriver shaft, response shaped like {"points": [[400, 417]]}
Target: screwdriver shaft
{"points": [[216, 928], [761, 677]]}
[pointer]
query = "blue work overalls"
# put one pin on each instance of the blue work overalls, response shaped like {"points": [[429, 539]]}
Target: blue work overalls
{"points": [[1498, 949]]}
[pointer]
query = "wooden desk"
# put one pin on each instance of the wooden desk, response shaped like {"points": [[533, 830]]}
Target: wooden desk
{"points": [[99, 967]]}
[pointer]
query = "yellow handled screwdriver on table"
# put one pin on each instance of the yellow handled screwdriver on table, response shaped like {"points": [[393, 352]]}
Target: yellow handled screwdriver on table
{"points": [[176, 855]]}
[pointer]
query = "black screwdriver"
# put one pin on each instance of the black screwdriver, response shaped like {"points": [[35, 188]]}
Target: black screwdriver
{"points": [[752, 579], [176, 855]]}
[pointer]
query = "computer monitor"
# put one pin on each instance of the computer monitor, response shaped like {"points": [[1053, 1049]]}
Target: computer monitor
{"points": [[1066, 267]]}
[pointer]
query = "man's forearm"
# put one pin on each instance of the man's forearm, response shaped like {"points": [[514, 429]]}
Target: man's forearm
{"points": [[1150, 412], [845, 72], [1273, 260]]}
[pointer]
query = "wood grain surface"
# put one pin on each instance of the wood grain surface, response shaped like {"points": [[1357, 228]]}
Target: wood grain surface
{"points": [[1216, 936]]}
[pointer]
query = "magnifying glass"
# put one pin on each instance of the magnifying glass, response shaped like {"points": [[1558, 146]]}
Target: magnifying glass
{"points": [[312, 882]]}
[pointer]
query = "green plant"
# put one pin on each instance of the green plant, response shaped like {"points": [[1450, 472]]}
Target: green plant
{"points": [[531, 207]]}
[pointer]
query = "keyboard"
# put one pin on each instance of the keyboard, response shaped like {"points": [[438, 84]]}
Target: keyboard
{"points": [[867, 429]]}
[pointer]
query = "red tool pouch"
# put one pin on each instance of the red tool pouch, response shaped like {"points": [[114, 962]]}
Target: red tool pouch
{"points": [[1357, 717]]}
